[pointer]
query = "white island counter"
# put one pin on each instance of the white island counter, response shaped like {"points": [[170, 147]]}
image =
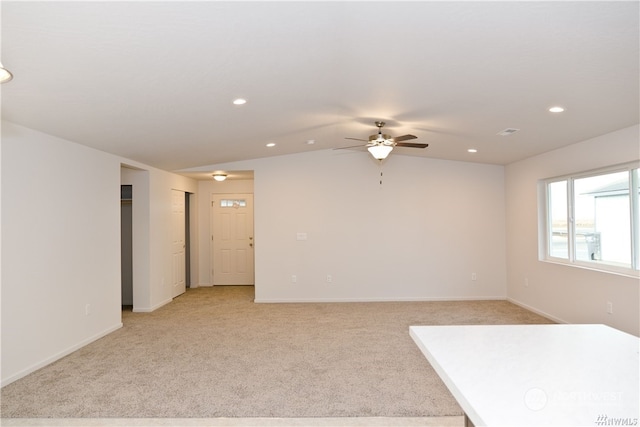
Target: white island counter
{"points": [[537, 375]]}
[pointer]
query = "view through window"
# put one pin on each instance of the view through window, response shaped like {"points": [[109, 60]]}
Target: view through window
{"points": [[592, 219]]}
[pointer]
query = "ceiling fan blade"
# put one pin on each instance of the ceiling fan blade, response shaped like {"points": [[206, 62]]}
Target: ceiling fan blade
{"points": [[411, 145], [404, 138], [351, 146], [358, 139]]}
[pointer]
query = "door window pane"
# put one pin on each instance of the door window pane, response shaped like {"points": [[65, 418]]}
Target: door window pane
{"points": [[233, 203]]}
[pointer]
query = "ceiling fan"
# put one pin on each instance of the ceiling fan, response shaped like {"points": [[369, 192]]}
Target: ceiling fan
{"points": [[380, 145]]}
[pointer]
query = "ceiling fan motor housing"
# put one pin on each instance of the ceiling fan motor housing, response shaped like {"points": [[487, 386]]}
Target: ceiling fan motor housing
{"points": [[381, 139]]}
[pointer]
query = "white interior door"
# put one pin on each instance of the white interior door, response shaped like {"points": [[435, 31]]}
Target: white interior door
{"points": [[232, 239], [178, 272]]}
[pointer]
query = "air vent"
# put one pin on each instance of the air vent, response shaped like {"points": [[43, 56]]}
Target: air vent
{"points": [[508, 131]]}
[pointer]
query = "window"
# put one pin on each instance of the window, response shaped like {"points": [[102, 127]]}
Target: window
{"points": [[559, 226], [592, 219], [233, 203]]}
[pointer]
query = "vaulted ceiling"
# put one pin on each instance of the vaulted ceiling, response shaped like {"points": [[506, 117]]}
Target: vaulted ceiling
{"points": [[154, 81]]}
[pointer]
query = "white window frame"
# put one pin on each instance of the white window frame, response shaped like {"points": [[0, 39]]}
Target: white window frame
{"points": [[545, 222]]}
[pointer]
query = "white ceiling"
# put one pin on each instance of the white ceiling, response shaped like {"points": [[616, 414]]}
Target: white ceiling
{"points": [[154, 81]]}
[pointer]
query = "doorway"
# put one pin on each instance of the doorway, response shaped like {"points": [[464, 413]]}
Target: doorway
{"points": [[187, 237], [178, 243], [232, 243], [126, 245]]}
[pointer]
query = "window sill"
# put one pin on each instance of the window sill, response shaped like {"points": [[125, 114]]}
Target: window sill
{"points": [[618, 271]]}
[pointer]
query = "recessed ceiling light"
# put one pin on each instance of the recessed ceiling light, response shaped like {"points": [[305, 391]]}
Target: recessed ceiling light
{"points": [[239, 101], [311, 141], [556, 109], [271, 144], [472, 150]]}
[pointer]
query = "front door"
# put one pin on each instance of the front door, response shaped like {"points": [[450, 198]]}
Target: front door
{"points": [[178, 225], [232, 239]]}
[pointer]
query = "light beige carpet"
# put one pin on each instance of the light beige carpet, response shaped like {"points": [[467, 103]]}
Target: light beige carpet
{"points": [[214, 353]]}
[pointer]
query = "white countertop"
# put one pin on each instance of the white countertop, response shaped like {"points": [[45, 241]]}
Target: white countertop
{"points": [[537, 375]]}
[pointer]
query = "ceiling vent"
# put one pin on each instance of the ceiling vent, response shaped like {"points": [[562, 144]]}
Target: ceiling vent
{"points": [[508, 131]]}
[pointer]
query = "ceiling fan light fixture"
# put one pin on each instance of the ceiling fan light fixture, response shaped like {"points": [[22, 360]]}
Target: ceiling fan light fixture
{"points": [[5, 75], [380, 151], [219, 176]]}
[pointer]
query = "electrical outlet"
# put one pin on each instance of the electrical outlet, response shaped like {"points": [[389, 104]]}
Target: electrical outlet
{"points": [[609, 307], [87, 309], [474, 276], [526, 282], [329, 278], [294, 278]]}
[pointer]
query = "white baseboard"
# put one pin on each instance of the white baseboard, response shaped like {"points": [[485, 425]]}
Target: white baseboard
{"points": [[376, 299], [57, 356], [153, 308], [535, 310]]}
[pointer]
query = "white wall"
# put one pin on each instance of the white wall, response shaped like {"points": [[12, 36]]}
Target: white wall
{"points": [[61, 246], [418, 236], [567, 294]]}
